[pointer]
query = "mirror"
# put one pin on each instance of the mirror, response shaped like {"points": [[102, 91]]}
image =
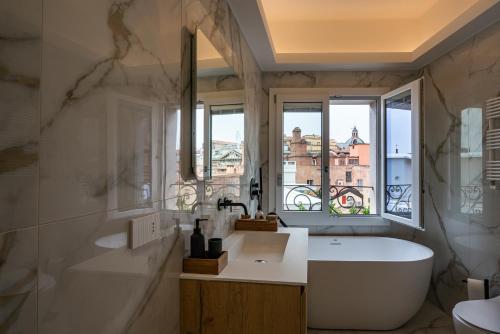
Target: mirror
{"points": [[217, 118]]}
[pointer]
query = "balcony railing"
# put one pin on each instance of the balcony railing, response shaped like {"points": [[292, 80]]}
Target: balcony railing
{"points": [[347, 200], [188, 194], [471, 199], [343, 200], [398, 200]]}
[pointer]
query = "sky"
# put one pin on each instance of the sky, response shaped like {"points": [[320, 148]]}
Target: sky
{"points": [[226, 128], [398, 130], [342, 120]]}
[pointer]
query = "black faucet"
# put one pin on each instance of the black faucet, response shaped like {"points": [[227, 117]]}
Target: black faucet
{"points": [[224, 203]]}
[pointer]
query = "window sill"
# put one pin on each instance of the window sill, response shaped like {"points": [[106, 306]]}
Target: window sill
{"points": [[295, 220]]}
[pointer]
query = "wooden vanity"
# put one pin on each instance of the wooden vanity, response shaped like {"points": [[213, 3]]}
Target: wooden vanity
{"points": [[241, 307], [248, 296]]}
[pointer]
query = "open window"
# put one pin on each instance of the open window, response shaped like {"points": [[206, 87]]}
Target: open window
{"points": [[401, 171], [331, 158]]}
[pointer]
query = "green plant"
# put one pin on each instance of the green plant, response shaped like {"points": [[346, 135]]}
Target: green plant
{"points": [[301, 207], [366, 210], [181, 204], [333, 210], [353, 210]]}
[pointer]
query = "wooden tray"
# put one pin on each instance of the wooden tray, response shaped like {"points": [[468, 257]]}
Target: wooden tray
{"points": [[256, 225], [205, 265]]}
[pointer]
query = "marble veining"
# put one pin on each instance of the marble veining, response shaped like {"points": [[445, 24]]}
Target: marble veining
{"points": [[87, 143]]}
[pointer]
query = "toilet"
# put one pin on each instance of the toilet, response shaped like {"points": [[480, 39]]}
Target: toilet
{"points": [[477, 316]]}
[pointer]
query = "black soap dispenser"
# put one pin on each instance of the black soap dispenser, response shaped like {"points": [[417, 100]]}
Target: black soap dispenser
{"points": [[197, 241]]}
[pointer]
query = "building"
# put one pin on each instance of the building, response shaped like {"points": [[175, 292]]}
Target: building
{"points": [[349, 161], [227, 158]]}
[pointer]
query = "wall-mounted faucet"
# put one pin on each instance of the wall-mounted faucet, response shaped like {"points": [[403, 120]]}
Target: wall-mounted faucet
{"points": [[225, 203], [256, 190]]}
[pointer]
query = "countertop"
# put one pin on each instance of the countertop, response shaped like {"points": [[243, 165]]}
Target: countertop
{"points": [[290, 269]]}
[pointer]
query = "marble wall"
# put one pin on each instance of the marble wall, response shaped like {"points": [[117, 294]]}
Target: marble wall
{"points": [[20, 72], [216, 21], [88, 125], [460, 210]]}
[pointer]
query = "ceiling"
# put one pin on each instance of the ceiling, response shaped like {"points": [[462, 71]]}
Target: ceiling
{"points": [[358, 34], [293, 10]]}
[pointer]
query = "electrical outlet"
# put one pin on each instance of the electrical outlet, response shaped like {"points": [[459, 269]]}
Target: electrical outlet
{"points": [[144, 229]]}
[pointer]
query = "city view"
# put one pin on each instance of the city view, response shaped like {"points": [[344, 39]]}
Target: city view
{"points": [[352, 161]]}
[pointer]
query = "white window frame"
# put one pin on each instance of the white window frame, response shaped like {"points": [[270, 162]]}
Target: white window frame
{"points": [[415, 87], [314, 218], [214, 99]]}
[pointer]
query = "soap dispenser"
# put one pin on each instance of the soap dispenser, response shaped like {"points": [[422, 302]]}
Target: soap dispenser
{"points": [[197, 241]]}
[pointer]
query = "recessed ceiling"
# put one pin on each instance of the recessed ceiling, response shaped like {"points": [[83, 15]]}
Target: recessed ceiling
{"points": [[353, 32], [300, 10]]}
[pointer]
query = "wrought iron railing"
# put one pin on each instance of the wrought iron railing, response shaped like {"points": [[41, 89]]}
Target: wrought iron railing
{"points": [[343, 200], [302, 197], [188, 194], [347, 200], [350, 200], [398, 199], [471, 200]]}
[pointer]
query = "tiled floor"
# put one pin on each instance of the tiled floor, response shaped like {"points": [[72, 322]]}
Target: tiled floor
{"points": [[429, 320]]}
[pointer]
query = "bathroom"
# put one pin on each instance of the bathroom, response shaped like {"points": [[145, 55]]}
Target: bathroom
{"points": [[122, 114]]}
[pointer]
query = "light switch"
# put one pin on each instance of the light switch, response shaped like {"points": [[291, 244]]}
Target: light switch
{"points": [[144, 229]]}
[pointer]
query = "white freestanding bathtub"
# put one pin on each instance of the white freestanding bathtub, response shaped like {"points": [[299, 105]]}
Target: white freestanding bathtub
{"points": [[371, 283]]}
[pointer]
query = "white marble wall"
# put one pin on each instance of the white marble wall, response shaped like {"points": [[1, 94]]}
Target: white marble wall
{"points": [[215, 20], [75, 154], [466, 244], [20, 54], [107, 64]]}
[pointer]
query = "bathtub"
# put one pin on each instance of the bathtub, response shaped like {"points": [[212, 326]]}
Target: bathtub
{"points": [[370, 283]]}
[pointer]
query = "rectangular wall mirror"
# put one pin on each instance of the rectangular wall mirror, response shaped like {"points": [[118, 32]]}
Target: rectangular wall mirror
{"points": [[214, 116]]}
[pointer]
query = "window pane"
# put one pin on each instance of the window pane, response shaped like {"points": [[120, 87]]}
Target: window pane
{"points": [[302, 134], [227, 149], [200, 136], [398, 159], [352, 149]]}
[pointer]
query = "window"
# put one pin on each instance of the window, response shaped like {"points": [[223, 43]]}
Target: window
{"points": [[328, 155], [401, 180], [226, 144], [302, 186], [348, 176], [219, 147]]}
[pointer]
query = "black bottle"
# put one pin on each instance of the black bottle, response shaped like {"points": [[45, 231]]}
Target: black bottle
{"points": [[197, 241]]}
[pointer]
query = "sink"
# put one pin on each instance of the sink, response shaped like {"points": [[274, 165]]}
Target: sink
{"points": [[266, 257], [260, 247]]}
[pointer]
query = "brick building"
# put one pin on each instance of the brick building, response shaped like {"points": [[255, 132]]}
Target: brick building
{"points": [[349, 161]]}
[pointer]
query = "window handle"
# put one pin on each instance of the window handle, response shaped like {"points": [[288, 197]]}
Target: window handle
{"points": [[325, 169], [279, 179]]}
